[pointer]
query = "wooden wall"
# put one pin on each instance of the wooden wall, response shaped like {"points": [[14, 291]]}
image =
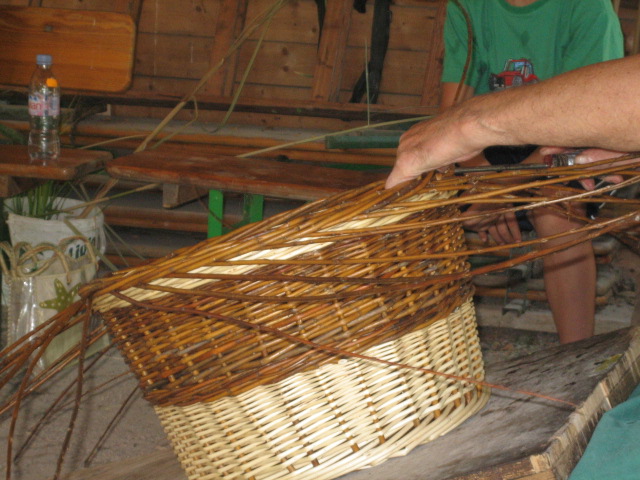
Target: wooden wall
{"points": [[297, 79], [179, 40]]}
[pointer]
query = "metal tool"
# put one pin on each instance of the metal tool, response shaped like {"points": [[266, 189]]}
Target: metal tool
{"points": [[557, 160], [567, 159]]}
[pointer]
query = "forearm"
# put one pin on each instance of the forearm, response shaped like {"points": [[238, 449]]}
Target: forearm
{"points": [[598, 106]]}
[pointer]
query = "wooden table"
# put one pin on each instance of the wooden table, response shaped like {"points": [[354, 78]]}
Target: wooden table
{"points": [[18, 173]]}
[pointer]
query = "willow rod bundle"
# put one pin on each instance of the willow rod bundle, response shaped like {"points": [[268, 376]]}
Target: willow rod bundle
{"points": [[302, 292]]}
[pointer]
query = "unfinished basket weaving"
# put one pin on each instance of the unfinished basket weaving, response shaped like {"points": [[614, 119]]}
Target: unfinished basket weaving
{"points": [[305, 346]]}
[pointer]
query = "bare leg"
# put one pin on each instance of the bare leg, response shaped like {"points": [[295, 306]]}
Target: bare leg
{"points": [[569, 279]]}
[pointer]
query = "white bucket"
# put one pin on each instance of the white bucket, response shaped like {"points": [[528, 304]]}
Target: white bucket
{"points": [[35, 231]]}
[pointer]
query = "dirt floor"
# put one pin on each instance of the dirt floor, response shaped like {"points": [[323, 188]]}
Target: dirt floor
{"points": [[136, 430]]}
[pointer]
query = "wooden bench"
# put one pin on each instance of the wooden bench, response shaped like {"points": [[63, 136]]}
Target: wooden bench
{"points": [[18, 173], [255, 178]]}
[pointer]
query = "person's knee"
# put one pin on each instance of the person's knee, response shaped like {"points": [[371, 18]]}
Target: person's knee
{"points": [[549, 221]]}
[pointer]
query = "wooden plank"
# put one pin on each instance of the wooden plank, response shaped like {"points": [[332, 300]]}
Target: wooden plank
{"points": [[431, 87], [249, 139], [288, 180], [284, 64], [407, 57], [295, 21], [129, 7], [297, 93], [229, 24], [115, 215], [72, 164], [512, 438], [141, 95], [91, 50], [328, 70], [191, 19], [173, 56], [410, 28], [403, 73]]}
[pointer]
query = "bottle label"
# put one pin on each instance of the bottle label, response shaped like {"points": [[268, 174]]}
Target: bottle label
{"points": [[44, 104]]}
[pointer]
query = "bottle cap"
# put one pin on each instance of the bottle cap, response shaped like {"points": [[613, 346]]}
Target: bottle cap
{"points": [[44, 59]]}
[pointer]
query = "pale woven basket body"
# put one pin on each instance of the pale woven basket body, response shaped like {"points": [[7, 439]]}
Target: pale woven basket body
{"points": [[340, 417], [318, 342]]}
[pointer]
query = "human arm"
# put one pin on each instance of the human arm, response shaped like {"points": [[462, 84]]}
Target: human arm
{"points": [[597, 105], [503, 228]]}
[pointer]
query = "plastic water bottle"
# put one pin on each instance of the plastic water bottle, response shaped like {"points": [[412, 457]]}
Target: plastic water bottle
{"points": [[44, 112]]}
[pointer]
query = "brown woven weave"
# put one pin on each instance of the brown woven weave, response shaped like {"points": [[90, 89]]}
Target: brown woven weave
{"points": [[231, 313]]}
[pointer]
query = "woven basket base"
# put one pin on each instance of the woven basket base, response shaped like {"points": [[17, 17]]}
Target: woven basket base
{"points": [[340, 417]]}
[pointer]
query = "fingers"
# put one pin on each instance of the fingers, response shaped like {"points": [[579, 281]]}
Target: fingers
{"points": [[596, 154], [400, 173], [505, 230], [592, 155], [554, 150], [502, 228], [588, 183], [512, 228], [430, 145]]}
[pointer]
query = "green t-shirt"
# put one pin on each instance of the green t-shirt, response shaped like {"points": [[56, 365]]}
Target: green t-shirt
{"points": [[516, 45]]}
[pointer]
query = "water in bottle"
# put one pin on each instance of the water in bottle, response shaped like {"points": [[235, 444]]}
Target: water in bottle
{"points": [[44, 112]]}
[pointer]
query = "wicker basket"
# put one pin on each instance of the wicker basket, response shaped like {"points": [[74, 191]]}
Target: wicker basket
{"points": [[306, 345]]}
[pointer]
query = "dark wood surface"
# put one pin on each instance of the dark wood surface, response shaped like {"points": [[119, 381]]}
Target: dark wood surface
{"points": [[16, 169], [514, 437], [280, 179]]}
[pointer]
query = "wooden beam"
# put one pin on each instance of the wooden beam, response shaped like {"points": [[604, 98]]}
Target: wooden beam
{"points": [[128, 216], [229, 24], [300, 108], [331, 51], [431, 86]]}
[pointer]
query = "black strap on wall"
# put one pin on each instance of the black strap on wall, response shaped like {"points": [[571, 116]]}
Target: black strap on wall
{"points": [[360, 5], [322, 10], [378, 50]]}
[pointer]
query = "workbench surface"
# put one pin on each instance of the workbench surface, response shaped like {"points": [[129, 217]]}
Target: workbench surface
{"points": [[513, 437]]}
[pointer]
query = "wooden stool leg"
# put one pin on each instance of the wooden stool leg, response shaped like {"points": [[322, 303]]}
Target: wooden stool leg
{"points": [[216, 212], [252, 209]]}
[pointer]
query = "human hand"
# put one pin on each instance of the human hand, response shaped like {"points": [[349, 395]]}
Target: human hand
{"points": [[431, 145], [503, 228]]}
